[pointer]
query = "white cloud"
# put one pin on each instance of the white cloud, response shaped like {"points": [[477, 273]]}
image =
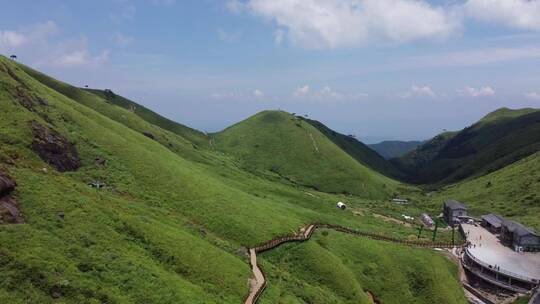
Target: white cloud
{"points": [[24, 42], [352, 23], [326, 94], [121, 39], [419, 91], [521, 14], [228, 37], [301, 91], [13, 39], [533, 96], [258, 93], [79, 58], [485, 91]]}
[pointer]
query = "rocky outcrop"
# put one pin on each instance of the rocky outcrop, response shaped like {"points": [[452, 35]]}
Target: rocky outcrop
{"points": [[54, 149], [30, 101], [149, 135], [7, 185], [9, 208], [100, 161]]}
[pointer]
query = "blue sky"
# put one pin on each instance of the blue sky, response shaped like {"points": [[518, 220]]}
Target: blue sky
{"points": [[380, 69]]}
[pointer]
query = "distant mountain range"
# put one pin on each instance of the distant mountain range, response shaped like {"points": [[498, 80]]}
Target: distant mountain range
{"points": [[394, 148], [497, 140]]}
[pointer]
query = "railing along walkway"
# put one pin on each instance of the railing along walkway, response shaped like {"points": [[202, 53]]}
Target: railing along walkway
{"points": [[259, 279], [502, 271]]}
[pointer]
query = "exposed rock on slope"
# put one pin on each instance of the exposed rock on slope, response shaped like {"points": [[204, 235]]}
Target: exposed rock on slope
{"points": [[29, 101], [9, 208], [54, 149], [6, 184]]}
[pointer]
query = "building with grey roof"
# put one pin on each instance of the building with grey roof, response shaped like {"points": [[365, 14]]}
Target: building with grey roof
{"points": [[454, 211], [519, 237], [492, 222]]}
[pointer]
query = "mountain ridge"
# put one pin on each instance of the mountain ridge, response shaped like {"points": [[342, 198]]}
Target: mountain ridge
{"points": [[497, 140], [395, 148]]}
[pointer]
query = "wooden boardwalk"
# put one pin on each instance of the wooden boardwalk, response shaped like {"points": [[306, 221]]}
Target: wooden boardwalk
{"points": [[258, 281]]}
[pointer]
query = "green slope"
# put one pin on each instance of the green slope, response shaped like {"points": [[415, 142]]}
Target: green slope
{"points": [[503, 114], [394, 148], [284, 144], [413, 161], [152, 117], [513, 191], [179, 138], [496, 141], [357, 150], [392, 273], [168, 225]]}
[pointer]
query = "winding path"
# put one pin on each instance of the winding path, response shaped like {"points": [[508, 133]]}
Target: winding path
{"points": [[258, 281]]}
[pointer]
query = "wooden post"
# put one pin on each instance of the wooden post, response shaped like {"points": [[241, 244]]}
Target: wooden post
{"points": [[435, 230], [453, 232]]}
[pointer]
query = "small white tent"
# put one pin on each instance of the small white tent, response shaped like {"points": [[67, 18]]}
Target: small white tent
{"points": [[341, 206]]}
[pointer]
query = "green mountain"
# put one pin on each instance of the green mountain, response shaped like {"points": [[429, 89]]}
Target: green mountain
{"points": [[116, 209], [503, 114], [394, 148], [497, 140], [357, 150], [291, 147]]}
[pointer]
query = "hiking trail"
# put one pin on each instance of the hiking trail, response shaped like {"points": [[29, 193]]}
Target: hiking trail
{"points": [[258, 281]]}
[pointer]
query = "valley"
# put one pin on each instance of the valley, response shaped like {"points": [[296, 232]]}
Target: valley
{"points": [[121, 205]]}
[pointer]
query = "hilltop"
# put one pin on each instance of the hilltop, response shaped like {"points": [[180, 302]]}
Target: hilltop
{"points": [[498, 140], [394, 148], [280, 143], [116, 209], [505, 114]]}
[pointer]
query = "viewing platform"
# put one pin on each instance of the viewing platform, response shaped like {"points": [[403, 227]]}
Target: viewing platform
{"points": [[497, 264]]}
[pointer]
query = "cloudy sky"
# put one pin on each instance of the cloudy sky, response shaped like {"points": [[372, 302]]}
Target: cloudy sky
{"points": [[380, 69]]}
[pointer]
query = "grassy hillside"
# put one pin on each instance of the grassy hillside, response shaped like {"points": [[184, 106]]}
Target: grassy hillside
{"points": [[278, 142], [176, 137], [499, 139], [394, 148], [166, 227], [411, 163], [513, 191], [503, 114], [357, 150], [350, 266], [152, 117]]}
